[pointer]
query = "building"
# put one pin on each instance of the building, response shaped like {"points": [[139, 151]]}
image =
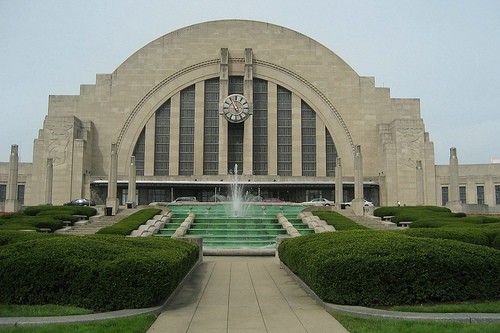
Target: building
{"points": [[180, 115]]}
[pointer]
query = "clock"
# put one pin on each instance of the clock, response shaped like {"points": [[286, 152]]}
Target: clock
{"points": [[236, 108]]}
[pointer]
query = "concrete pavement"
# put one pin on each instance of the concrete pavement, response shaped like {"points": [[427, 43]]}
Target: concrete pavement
{"points": [[243, 294]]}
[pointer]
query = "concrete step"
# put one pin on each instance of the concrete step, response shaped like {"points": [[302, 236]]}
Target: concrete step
{"points": [[371, 222]]}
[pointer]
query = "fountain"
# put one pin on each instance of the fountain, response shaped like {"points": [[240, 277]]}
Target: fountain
{"points": [[241, 222], [236, 190]]}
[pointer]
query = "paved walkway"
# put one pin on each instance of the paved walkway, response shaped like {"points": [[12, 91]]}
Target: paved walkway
{"points": [[243, 294]]}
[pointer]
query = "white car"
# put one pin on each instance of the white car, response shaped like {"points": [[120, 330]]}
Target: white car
{"points": [[319, 202], [367, 203]]}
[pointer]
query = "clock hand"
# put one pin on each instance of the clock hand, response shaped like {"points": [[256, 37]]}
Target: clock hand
{"points": [[234, 105]]}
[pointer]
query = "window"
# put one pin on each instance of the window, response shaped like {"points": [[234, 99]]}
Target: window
{"points": [[140, 147], [284, 132], [235, 131], [236, 85], [444, 195], [480, 194], [211, 128], [186, 132], [3, 192], [20, 194], [162, 140], [308, 135], [331, 154], [260, 138], [463, 194], [497, 194]]}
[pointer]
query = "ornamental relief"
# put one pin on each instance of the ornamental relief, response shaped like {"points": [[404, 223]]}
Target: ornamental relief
{"points": [[59, 140], [409, 141]]}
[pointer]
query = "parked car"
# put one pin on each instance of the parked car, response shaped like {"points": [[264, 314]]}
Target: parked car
{"points": [[186, 199], [367, 203], [319, 202], [80, 202]]}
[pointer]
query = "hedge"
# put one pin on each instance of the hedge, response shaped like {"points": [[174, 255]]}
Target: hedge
{"points": [[101, 273], [31, 223], [131, 222], [10, 236], [43, 216], [59, 210], [480, 236], [434, 217], [377, 268]]}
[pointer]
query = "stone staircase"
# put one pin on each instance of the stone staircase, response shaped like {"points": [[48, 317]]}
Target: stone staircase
{"points": [[371, 222], [95, 223]]}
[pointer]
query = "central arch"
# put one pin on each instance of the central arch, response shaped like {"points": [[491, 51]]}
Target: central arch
{"points": [[287, 78]]}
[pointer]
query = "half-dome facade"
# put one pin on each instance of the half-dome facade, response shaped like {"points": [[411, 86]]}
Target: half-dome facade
{"points": [[191, 108]]}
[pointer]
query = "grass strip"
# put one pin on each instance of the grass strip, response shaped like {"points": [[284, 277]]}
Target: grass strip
{"points": [[465, 307], [382, 325], [339, 221], [137, 324]]}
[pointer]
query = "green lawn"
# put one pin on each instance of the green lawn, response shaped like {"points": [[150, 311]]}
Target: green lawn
{"points": [[339, 221], [138, 324], [381, 325], [466, 307]]}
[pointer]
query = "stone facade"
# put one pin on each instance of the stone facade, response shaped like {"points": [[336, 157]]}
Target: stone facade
{"points": [[123, 108]]}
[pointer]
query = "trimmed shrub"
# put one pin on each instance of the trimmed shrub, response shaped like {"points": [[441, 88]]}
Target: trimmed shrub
{"points": [[31, 223], [58, 210], [131, 222], [43, 216], [479, 236], [101, 273], [433, 217], [11, 236], [376, 268]]}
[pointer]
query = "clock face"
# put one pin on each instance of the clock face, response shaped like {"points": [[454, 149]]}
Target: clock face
{"points": [[236, 108]]}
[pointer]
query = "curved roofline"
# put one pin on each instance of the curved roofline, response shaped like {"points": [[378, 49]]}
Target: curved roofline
{"points": [[234, 20]]}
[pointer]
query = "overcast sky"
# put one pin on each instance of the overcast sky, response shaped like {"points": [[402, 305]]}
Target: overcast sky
{"points": [[444, 52]]}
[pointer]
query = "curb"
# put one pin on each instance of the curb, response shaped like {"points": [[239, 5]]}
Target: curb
{"points": [[360, 311], [18, 321]]}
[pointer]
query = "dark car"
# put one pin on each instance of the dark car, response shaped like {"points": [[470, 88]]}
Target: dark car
{"points": [[80, 202]]}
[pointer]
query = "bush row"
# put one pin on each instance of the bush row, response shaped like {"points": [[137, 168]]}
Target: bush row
{"points": [[102, 273], [433, 217], [376, 268], [59, 210], [31, 223], [44, 216], [131, 222], [480, 236]]}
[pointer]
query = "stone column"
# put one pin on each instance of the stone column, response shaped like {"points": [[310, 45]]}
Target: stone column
{"points": [[454, 203], [49, 178], [453, 187], [382, 189], [339, 186], [358, 202], [112, 200], [420, 183], [223, 92], [11, 199], [358, 173], [248, 124], [132, 182]]}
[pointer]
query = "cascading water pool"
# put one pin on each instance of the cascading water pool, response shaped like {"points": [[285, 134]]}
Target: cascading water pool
{"points": [[240, 223]]}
